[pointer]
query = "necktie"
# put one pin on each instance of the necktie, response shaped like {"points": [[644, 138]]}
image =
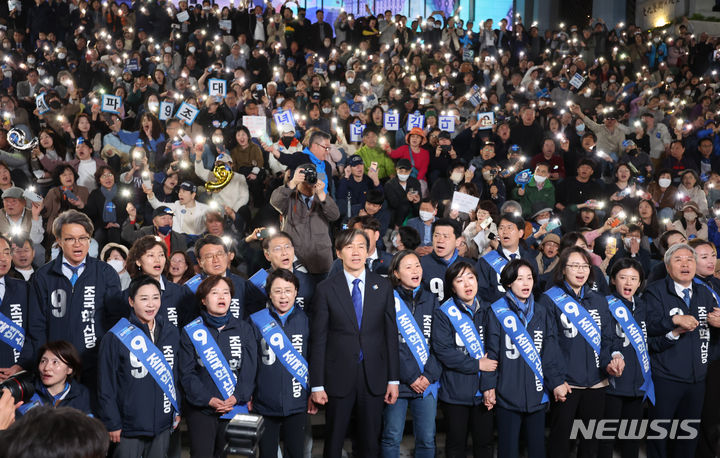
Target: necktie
{"points": [[308, 202], [513, 257], [357, 305], [74, 270], [686, 296], [369, 263]]}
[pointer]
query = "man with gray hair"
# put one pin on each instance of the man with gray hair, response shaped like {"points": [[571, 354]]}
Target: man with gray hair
{"points": [[69, 297], [680, 313]]}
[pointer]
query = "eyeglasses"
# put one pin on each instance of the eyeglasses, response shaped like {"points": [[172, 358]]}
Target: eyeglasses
{"points": [[211, 256], [282, 292], [72, 240], [281, 248], [326, 148], [579, 267], [107, 175]]}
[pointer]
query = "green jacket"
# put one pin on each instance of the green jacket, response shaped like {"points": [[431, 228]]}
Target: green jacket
{"points": [[546, 195], [386, 166]]}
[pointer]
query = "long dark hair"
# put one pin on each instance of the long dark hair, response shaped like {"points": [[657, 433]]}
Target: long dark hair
{"points": [[453, 272]]}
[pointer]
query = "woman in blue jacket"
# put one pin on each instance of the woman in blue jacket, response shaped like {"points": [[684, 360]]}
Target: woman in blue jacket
{"points": [[227, 344], [624, 400], [520, 336], [419, 368], [457, 332], [589, 350], [56, 384], [281, 397]]}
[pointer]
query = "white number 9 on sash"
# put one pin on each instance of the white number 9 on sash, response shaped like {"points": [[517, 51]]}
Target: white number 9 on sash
{"points": [[138, 343], [201, 336], [276, 339], [510, 323], [621, 313], [572, 307], [454, 312]]}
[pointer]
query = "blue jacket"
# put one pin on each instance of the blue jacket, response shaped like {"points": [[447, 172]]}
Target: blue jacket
{"points": [[598, 285], [459, 381], [514, 382], [78, 397], [247, 299], [14, 306], [129, 398], [489, 287], [277, 393], [174, 303], [380, 265], [713, 283], [237, 343], [433, 275], [685, 359], [59, 311], [579, 365], [629, 383], [418, 224], [422, 305]]}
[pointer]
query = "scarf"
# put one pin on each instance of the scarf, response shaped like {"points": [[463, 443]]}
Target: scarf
{"points": [[216, 322], [109, 208]]}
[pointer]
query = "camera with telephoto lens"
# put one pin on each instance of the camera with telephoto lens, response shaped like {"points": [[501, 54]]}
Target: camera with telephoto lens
{"points": [[311, 176], [20, 385]]}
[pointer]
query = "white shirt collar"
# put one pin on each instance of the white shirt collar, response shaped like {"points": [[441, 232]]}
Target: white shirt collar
{"points": [[349, 278], [679, 290], [507, 253]]}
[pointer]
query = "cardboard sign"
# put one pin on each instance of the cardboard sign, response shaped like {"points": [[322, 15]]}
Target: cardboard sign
{"points": [[166, 110], [415, 120], [187, 113], [283, 120], [111, 103], [257, 125], [464, 203], [487, 119], [391, 120], [447, 123], [217, 87], [183, 16], [577, 80], [356, 131], [41, 104]]}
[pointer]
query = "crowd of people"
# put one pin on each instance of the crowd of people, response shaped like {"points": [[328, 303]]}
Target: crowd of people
{"points": [[213, 210]]}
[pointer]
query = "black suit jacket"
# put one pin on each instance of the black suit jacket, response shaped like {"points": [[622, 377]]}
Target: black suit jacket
{"points": [[336, 341]]}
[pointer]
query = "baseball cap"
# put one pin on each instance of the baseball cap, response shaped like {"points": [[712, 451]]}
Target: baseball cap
{"points": [[355, 160], [187, 186], [162, 211]]}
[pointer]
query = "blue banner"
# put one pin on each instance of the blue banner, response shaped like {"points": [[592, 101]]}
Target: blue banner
{"points": [[149, 356], [518, 334], [214, 362], [11, 333], [715, 295], [279, 343], [466, 330], [578, 316], [497, 263], [259, 280], [637, 339], [414, 339]]}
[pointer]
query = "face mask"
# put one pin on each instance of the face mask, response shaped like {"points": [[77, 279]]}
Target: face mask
{"points": [[343, 89], [326, 110], [426, 216], [587, 94], [687, 91], [542, 221], [689, 216], [664, 182], [539, 179], [31, 60], [385, 107], [8, 74], [622, 67], [6, 45], [456, 177], [486, 71], [168, 49], [191, 49], [41, 71], [669, 79], [487, 175], [403, 176], [164, 230], [612, 81], [350, 80], [61, 56], [217, 139], [333, 68], [279, 100], [153, 106], [117, 264]]}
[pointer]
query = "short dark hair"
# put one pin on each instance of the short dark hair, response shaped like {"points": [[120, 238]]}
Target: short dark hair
{"points": [[282, 274], [570, 240], [209, 239], [453, 272], [375, 196], [666, 236], [139, 248], [448, 222], [318, 134], [61, 432], [518, 221], [209, 283], [66, 352], [346, 237], [277, 235], [511, 270], [409, 236], [395, 265], [559, 276], [101, 171], [626, 263], [366, 221], [139, 282]]}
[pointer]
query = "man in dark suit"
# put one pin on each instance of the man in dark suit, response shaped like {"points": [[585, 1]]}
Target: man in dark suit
{"points": [[320, 30], [161, 226], [353, 349]]}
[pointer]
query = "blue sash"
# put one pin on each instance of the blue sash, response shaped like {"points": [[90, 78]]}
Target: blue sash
{"points": [[278, 341], [633, 332], [715, 295], [466, 330], [194, 282], [259, 280], [11, 333], [214, 362], [149, 356], [578, 316], [414, 339], [496, 261], [518, 334]]}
